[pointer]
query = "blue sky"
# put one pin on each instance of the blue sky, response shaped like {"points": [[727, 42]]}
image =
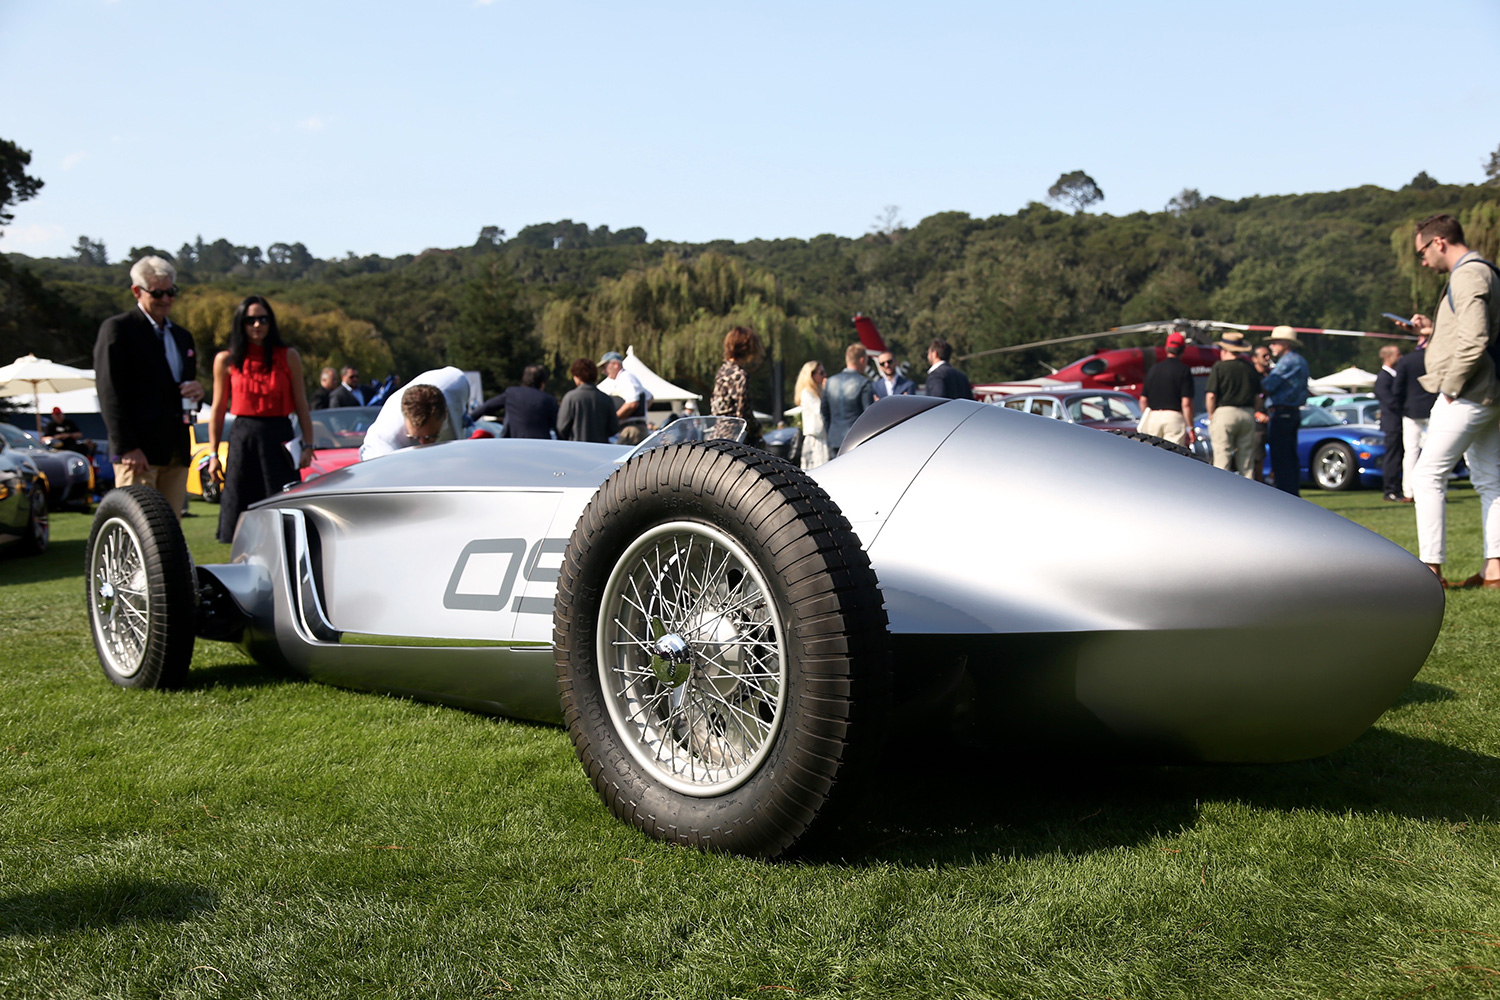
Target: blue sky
{"points": [[392, 127]]}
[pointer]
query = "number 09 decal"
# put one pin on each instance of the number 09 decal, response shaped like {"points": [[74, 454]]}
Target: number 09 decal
{"points": [[484, 577]]}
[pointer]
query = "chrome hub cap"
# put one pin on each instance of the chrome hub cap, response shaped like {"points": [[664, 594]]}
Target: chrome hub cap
{"points": [[119, 610], [691, 654]]}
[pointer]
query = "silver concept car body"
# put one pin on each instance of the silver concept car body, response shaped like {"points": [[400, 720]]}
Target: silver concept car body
{"points": [[1035, 578]]}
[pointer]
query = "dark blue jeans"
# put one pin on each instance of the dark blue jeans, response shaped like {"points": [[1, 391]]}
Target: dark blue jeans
{"points": [[1281, 441]]}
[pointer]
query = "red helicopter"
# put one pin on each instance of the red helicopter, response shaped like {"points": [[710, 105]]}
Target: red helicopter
{"points": [[1122, 368]]}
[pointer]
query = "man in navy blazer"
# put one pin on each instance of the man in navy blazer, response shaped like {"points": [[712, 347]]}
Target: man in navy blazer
{"points": [[942, 378], [146, 374], [890, 381], [530, 411], [1390, 422]]}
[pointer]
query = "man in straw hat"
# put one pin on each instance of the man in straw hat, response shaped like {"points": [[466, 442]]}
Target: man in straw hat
{"points": [[1285, 387], [1233, 386], [1465, 417]]}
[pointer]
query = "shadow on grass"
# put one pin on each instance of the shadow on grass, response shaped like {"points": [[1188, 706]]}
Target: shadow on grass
{"points": [[954, 805], [245, 674], [101, 905], [1418, 693], [61, 560]]}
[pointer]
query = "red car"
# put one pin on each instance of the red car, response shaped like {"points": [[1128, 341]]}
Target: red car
{"points": [[337, 435]]}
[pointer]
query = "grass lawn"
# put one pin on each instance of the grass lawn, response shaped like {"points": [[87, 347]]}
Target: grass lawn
{"points": [[256, 835]]}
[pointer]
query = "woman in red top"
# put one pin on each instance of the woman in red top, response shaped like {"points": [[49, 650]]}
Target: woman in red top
{"points": [[259, 380]]}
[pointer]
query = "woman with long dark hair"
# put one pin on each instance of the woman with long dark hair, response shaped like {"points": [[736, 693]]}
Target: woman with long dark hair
{"points": [[259, 380]]}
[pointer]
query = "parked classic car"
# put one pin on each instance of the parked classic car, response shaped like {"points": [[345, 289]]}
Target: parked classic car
{"points": [[729, 639], [1101, 408], [1332, 455], [69, 476], [24, 523]]}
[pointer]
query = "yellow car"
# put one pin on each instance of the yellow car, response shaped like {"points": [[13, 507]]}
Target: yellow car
{"points": [[199, 481]]}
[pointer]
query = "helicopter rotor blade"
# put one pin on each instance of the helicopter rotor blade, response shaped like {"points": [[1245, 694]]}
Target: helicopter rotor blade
{"points": [[1206, 326]]}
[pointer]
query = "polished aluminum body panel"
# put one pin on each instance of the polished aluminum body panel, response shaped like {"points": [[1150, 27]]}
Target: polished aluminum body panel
{"points": [[1033, 571]]}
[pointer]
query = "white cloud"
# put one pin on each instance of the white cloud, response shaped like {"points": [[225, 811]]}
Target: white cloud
{"points": [[73, 159], [313, 123]]}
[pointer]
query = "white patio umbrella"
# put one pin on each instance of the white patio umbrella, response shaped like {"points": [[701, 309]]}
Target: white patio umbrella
{"points": [[31, 375]]}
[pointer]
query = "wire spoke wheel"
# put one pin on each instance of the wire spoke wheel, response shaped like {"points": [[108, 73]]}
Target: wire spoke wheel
{"points": [[691, 658], [119, 607], [723, 659], [139, 586]]}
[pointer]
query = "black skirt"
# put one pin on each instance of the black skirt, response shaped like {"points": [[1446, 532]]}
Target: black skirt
{"points": [[258, 467]]}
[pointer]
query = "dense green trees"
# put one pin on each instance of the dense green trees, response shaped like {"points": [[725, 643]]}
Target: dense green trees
{"points": [[561, 290]]}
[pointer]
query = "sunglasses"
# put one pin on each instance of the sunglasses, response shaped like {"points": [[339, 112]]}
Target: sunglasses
{"points": [[887, 364], [1423, 248], [426, 438], [159, 293], [257, 321]]}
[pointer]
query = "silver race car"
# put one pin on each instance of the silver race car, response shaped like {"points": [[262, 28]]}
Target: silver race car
{"points": [[732, 642]]}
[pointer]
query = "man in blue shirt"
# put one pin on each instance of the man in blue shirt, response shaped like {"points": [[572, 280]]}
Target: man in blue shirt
{"points": [[1285, 387]]}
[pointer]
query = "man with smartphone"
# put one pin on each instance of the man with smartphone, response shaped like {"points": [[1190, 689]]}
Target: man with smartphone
{"points": [[1466, 414]]}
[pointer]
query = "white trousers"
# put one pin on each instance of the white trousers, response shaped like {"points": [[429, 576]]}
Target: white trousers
{"points": [[1454, 429], [1413, 437]]}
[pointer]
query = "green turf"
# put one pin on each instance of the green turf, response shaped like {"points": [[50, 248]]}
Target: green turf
{"points": [[256, 835]]}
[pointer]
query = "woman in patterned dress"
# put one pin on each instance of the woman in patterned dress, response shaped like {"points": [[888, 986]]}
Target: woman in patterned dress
{"points": [[731, 398]]}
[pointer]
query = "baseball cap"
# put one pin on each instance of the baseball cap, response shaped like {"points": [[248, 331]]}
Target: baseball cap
{"points": [[1175, 339], [611, 356]]}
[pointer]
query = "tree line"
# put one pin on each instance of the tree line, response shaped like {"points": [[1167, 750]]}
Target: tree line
{"points": [[560, 290]]}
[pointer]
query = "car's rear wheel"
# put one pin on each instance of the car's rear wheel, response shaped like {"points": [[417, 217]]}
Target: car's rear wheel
{"points": [[38, 533], [140, 590], [1333, 467], [722, 652]]}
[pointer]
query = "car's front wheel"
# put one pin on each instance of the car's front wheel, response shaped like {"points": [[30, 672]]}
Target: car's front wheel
{"points": [[213, 489], [140, 590], [38, 534], [722, 651], [1333, 467]]}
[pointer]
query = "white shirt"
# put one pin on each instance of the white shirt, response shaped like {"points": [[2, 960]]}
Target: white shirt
{"points": [[388, 432], [628, 388], [168, 343]]}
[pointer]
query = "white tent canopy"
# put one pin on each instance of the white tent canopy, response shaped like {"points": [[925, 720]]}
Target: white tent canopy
{"points": [[659, 388], [33, 376], [1346, 381]]}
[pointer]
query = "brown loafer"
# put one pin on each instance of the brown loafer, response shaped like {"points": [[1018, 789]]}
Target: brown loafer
{"points": [[1478, 582]]}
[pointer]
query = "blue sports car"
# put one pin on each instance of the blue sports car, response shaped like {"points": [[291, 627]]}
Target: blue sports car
{"points": [[1333, 455]]}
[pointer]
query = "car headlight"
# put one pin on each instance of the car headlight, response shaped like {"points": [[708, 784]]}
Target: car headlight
{"points": [[77, 466], [1370, 442]]}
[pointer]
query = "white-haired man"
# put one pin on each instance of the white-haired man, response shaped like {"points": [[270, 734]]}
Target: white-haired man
{"points": [[146, 372]]}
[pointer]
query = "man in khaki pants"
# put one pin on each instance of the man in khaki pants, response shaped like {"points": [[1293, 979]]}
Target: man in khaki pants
{"points": [[146, 373], [1167, 396], [1233, 386]]}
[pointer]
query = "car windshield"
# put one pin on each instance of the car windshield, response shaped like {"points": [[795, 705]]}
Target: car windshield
{"points": [[1103, 408], [1317, 416], [686, 430], [342, 426], [17, 438]]}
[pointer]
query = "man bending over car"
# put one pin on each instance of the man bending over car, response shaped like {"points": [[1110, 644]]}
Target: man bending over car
{"points": [[428, 410]]}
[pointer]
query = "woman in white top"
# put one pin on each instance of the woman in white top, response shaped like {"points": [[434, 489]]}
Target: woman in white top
{"points": [[809, 392]]}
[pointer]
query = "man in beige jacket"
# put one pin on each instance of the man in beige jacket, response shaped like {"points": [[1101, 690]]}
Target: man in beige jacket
{"points": [[1466, 417]]}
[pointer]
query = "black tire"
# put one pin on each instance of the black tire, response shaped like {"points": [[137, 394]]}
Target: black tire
{"points": [[38, 533], [1152, 440], [758, 725], [1333, 467], [212, 488], [139, 586]]}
